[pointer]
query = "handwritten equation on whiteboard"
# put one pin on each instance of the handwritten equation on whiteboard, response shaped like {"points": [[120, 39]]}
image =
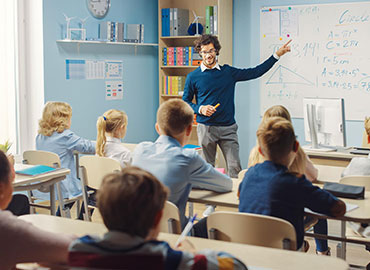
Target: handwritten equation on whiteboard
{"points": [[330, 57]]}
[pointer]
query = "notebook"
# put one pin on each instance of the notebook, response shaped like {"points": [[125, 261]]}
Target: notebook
{"points": [[192, 146], [36, 170]]}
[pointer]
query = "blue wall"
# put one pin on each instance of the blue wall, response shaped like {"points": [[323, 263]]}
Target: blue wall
{"points": [[87, 97], [246, 54]]}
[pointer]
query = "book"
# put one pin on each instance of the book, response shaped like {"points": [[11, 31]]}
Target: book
{"points": [[36, 170], [192, 146]]}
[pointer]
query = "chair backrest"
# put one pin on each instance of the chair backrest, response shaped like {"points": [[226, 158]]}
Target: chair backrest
{"points": [[38, 157], [252, 229], [357, 180], [94, 168], [241, 174], [170, 222]]}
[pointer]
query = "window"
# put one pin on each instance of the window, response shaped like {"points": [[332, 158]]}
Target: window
{"points": [[21, 72]]}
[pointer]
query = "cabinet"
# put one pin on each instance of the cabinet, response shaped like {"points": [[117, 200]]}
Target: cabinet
{"points": [[225, 36]]}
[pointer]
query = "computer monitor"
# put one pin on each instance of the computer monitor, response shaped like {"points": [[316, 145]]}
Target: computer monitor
{"points": [[324, 123]]}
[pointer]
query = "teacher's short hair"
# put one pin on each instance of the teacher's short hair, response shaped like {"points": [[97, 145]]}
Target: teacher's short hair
{"points": [[205, 40], [174, 116]]}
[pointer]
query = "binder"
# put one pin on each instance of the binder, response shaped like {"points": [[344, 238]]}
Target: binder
{"points": [[209, 13], [215, 20], [133, 31], [180, 21], [163, 18], [141, 40], [119, 31], [171, 22], [211, 25]]}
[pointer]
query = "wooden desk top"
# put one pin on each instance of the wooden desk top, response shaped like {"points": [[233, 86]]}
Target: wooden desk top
{"points": [[253, 256], [230, 199], [21, 180]]}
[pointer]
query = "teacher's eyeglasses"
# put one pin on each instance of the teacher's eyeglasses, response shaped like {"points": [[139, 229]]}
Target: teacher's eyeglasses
{"points": [[212, 51]]}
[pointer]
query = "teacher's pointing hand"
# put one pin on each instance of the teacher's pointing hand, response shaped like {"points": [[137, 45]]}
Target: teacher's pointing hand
{"points": [[284, 49]]}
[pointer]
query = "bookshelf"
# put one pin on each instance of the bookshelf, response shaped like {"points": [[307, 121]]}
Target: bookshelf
{"points": [[225, 36]]}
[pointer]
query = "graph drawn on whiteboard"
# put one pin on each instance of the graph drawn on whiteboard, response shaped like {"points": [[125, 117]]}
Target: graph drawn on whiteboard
{"points": [[284, 75]]}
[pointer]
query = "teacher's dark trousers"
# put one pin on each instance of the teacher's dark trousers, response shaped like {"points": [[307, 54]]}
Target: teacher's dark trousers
{"points": [[227, 138]]}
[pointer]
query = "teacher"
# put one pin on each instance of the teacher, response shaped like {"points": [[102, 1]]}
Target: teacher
{"points": [[212, 84]]}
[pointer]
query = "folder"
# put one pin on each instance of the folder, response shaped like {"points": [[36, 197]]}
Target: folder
{"points": [[180, 21], [36, 170]]}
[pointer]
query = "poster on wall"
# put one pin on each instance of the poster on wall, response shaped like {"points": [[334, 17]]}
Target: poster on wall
{"points": [[94, 69], [75, 69], [113, 69], [113, 90]]}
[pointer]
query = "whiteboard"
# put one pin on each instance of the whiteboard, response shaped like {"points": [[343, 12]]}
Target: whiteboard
{"points": [[330, 56]]}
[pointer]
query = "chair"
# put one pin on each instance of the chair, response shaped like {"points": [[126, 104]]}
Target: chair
{"points": [[170, 222], [356, 180], [94, 168], [38, 157], [252, 229]]}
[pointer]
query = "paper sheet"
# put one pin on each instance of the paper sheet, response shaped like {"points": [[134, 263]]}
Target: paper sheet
{"points": [[270, 23], [94, 69], [113, 69], [113, 90], [75, 69]]}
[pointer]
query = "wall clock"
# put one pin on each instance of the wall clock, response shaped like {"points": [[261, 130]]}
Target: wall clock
{"points": [[98, 8]]}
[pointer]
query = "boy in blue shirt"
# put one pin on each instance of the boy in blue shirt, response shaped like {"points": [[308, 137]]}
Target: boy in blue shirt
{"points": [[270, 189], [178, 168]]}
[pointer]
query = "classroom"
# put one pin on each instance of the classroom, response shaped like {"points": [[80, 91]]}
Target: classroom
{"points": [[309, 51]]}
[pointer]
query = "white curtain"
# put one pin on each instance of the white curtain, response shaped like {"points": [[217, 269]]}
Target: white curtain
{"points": [[8, 73], [21, 72]]}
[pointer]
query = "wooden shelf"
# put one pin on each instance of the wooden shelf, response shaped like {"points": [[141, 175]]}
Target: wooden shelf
{"points": [[171, 96], [194, 67], [107, 43], [180, 37]]}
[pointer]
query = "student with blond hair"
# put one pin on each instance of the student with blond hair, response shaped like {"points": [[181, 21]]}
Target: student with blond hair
{"points": [[112, 127], [269, 188], [301, 164], [178, 168], [131, 204], [55, 136]]}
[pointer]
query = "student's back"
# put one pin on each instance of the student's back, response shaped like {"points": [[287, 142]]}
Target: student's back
{"points": [[174, 166], [55, 136], [269, 189]]}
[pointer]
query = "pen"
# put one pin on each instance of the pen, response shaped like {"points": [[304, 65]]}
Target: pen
{"points": [[218, 104], [186, 230]]}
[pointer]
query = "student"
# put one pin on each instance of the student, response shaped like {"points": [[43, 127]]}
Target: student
{"points": [[360, 166], [20, 240], [178, 168], [131, 204], [112, 128], [55, 136], [301, 164], [19, 205], [270, 189]]}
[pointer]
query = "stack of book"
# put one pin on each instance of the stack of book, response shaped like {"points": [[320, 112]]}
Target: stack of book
{"points": [[180, 56], [173, 85], [175, 22], [211, 20]]}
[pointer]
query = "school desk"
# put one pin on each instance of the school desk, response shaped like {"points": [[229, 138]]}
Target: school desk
{"points": [[339, 158], [50, 179], [230, 199], [253, 256]]}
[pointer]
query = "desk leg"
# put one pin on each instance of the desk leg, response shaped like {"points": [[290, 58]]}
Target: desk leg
{"points": [[343, 245], [52, 200], [191, 209], [60, 200]]}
